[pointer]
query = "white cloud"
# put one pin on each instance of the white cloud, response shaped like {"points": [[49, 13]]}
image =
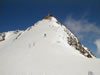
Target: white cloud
{"points": [[84, 30], [97, 42], [78, 27]]}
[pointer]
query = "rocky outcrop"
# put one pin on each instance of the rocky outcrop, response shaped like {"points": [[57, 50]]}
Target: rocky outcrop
{"points": [[2, 36], [48, 16], [73, 41]]}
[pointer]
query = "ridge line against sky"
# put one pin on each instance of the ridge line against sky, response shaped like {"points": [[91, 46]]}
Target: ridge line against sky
{"points": [[84, 30], [21, 14]]}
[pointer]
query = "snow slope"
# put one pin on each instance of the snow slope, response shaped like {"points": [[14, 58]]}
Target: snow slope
{"points": [[47, 48]]}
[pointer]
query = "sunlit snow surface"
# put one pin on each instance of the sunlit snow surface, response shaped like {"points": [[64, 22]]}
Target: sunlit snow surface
{"points": [[43, 49]]}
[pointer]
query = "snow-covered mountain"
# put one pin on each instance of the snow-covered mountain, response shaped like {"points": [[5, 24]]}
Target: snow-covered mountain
{"points": [[46, 48]]}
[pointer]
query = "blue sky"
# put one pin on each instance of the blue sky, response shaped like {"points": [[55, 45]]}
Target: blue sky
{"points": [[82, 17]]}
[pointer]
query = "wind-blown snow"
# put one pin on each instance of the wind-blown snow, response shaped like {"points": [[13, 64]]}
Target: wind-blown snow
{"points": [[43, 49]]}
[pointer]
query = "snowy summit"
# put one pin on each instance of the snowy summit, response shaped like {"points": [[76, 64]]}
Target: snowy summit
{"points": [[46, 48]]}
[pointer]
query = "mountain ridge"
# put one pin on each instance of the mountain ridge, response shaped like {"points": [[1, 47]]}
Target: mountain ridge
{"points": [[72, 39], [45, 48]]}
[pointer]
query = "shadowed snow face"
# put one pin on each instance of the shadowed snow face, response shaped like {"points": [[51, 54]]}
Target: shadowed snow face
{"points": [[98, 46]]}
